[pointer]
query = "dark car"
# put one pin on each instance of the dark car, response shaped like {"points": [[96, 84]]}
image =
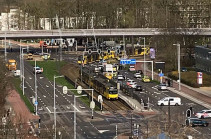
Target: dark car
{"points": [[196, 122], [183, 69], [138, 88]]}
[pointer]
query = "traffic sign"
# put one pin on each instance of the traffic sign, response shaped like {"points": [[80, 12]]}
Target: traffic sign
{"points": [[35, 103], [65, 90], [135, 132], [79, 89], [128, 61], [161, 74], [92, 104], [100, 98]]}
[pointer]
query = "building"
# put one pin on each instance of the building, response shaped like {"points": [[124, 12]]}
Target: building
{"points": [[15, 19], [203, 58]]}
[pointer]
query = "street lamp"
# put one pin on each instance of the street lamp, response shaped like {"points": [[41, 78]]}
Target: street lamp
{"points": [[79, 90], [23, 71], [144, 54], [178, 53], [54, 91], [5, 47]]}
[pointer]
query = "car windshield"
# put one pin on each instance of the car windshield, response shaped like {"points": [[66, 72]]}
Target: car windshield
{"points": [[131, 66], [12, 63], [162, 85], [146, 77], [137, 73], [113, 92], [37, 68]]}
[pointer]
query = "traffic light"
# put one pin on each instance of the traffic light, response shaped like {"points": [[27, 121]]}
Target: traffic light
{"points": [[118, 51], [188, 113], [109, 51], [99, 51], [191, 109], [89, 51]]}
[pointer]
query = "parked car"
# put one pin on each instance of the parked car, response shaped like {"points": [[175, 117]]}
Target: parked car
{"points": [[120, 77], [138, 88], [183, 69], [203, 114], [162, 87], [132, 68], [146, 79], [196, 122], [137, 75], [172, 100]]}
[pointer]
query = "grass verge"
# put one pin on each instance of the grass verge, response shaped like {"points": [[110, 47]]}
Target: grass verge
{"points": [[50, 68], [17, 83]]}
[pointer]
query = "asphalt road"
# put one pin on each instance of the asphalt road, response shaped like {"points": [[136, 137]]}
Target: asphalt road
{"points": [[99, 127], [150, 90]]}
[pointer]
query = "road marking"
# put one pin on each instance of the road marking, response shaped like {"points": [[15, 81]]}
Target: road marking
{"points": [[44, 96], [76, 109], [102, 131], [157, 93], [48, 110]]}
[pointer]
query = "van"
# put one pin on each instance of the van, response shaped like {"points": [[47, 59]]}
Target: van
{"points": [[175, 101]]}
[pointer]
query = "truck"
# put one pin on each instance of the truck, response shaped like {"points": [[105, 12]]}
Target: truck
{"points": [[11, 65], [43, 44]]}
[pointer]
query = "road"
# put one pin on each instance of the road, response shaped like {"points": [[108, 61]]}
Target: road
{"points": [[104, 124], [150, 90]]}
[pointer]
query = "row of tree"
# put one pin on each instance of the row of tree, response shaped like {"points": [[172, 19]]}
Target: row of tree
{"points": [[119, 13]]}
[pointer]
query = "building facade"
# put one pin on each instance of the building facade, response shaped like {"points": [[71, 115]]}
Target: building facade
{"points": [[203, 58]]}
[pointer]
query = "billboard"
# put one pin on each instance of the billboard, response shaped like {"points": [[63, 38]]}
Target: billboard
{"points": [[199, 77], [152, 53]]}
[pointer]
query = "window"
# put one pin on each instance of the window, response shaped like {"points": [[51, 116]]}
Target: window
{"points": [[171, 99]]}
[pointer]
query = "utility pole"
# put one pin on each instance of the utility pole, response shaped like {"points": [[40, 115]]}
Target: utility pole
{"points": [[179, 71]]}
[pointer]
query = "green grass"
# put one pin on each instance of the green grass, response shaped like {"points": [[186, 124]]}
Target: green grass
{"points": [[190, 78], [17, 83], [50, 69]]}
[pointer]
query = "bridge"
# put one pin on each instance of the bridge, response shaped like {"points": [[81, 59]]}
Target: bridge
{"points": [[103, 32]]}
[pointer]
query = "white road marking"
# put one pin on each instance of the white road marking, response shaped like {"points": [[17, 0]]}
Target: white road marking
{"points": [[48, 110]]}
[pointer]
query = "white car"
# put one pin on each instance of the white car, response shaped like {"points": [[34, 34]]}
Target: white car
{"points": [[130, 82], [120, 77], [38, 69], [133, 84], [137, 75], [132, 68], [203, 114], [162, 87], [172, 100]]}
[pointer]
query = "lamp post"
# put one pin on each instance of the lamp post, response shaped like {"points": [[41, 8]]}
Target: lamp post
{"points": [[179, 72], [23, 72], [79, 90], [144, 56], [54, 92], [5, 47]]}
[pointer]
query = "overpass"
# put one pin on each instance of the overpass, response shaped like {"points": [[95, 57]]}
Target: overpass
{"points": [[103, 32]]}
